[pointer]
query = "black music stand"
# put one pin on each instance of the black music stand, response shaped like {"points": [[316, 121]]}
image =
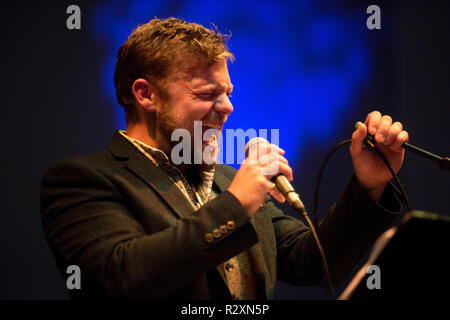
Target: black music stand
{"points": [[414, 261]]}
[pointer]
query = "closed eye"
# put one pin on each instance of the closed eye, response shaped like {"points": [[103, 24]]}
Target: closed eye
{"points": [[207, 95], [211, 95]]}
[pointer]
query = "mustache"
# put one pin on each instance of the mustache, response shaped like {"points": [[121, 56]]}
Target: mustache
{"points": [[215, 120]]}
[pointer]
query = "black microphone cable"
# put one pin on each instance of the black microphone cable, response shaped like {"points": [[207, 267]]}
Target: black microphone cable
{"points": [[327, 278], [369, 142]]}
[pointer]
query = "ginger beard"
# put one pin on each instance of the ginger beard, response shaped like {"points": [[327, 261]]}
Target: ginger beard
{"points": [[167, 122]]}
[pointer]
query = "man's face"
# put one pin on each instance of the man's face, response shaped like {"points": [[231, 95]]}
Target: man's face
{"points": [[202, 95]]}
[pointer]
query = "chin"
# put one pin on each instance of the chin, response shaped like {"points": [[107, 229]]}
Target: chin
{"points": [[204, 167]]}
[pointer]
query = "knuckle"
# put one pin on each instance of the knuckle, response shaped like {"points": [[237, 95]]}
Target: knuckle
{"points": [[387, 118], [375, 113], [396, 128], [382, 130]]}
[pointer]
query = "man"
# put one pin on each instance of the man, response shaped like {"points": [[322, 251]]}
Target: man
{"points": [[141, 226]]}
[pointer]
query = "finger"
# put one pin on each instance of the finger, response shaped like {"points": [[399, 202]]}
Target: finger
{"points": [[270, 170], [260, 149], [275, 168], [394, 130], [286, 170], [275, 157], [283, 159], [373, 121], [383, 129], [402, 137], [268, 186], [271, 157], [267, 159], [277, 149], [269, 148], [358, 136], [277, 195]]}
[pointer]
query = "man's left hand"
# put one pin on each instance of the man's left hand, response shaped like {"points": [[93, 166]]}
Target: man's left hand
{"points": [[370, 170]]}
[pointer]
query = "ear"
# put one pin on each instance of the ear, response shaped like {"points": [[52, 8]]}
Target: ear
{"points": [[145, 94]]}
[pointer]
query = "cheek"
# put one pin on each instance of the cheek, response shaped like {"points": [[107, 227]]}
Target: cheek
{"points": [[186, 111], [198, 110]]}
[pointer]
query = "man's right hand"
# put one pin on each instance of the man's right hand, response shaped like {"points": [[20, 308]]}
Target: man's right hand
{"points": [[252, 180]]}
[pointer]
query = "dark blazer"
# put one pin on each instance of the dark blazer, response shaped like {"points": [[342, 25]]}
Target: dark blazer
{"points": [[133, 233]]}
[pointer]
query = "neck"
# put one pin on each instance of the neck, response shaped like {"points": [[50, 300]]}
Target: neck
{"points": [[141, 132]]}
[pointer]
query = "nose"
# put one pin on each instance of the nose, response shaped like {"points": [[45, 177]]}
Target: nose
{"points": [[223, 105]]}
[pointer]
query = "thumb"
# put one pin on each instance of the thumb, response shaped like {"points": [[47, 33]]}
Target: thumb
{"points": [[358, 136]]}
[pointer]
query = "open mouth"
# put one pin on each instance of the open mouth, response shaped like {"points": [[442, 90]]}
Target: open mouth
{"points": [[210, 141], [212, 134]]}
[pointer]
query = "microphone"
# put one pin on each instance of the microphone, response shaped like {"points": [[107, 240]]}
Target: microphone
{"points": [[281, 182]]}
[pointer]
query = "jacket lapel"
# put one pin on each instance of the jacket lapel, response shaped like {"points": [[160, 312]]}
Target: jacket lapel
{"points": [[155, 177]]}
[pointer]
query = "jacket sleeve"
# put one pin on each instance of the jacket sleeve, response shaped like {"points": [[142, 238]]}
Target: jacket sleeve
{"points": [[87, 223], [347, 232]]}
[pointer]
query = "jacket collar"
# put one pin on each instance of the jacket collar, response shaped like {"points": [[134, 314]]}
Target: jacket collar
{"points": [[123, 150]]}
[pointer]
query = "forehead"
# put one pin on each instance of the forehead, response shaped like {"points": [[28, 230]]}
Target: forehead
{"points": [[214, 75]]}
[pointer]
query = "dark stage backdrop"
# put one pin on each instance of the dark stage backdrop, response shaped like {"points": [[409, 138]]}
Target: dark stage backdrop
{"points": [[309, 68]]}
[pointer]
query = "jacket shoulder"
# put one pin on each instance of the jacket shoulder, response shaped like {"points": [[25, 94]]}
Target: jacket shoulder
{"points": [[86, 169], [94, 161]]}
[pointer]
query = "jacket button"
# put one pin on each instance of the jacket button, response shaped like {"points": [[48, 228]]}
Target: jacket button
{"points": [[216, 233], [230, 224], [209, 237], [223, 229]]}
